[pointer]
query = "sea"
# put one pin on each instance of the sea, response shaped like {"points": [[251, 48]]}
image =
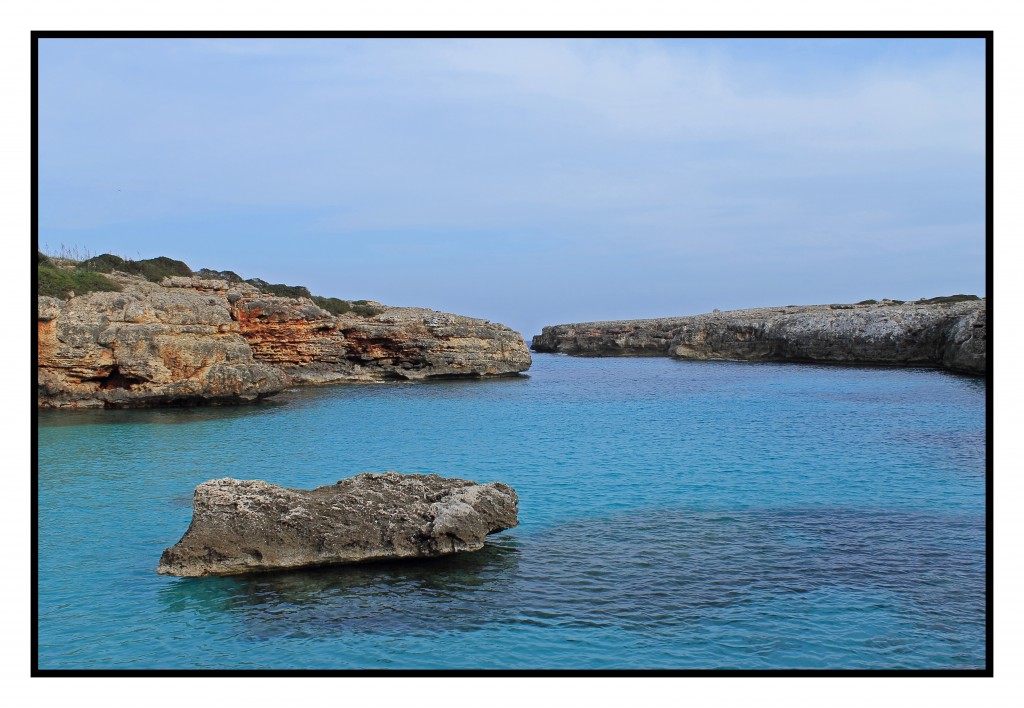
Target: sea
{"points": [[674, 515]]}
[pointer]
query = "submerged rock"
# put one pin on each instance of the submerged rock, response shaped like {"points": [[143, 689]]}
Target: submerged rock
{"points": [[951, 334], [243, 526]]}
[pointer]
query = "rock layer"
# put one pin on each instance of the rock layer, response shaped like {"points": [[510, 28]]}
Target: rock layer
{"points": [[207, 341], [244, 526], [145, 348], [405, 343], [951, 335]]}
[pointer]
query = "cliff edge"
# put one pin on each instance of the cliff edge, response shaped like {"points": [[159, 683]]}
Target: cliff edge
{"points": [[188, 340], [949, 333]]}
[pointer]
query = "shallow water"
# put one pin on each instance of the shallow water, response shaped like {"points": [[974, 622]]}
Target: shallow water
{"points": [[673, 515]]}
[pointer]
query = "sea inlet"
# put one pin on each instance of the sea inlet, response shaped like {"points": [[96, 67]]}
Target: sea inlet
{"points": [[673, 515]]}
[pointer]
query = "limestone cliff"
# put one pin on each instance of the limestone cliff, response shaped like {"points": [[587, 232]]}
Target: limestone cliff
{"points": [[313, 346], [939, 334], [190, 340]]}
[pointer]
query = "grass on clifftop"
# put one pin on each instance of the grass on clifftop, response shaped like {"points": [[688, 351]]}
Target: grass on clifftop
{"points": [[58, 282], [86, 276]]}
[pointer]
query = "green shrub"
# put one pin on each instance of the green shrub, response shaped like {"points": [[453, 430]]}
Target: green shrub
{"points": [[86, 277], [949, 298], [332, 304], [153, 269], [280, 289], [42, 258], [156, 269], [228, 275], [868, 302], [56, 282], [105, 263], [364, 310]]}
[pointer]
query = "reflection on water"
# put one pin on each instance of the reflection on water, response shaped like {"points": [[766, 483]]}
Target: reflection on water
{"points": [[294, 399], [454, 593], [774, 583], [672, 515], [156, 416]]}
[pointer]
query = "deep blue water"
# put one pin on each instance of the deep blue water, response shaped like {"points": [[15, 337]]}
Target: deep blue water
{"points": [[673, 515]]}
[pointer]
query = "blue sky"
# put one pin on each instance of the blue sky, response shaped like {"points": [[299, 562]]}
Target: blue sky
{"points": [[529, 182]]}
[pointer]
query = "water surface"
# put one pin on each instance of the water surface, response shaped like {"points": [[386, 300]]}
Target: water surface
{"points": [[674, 515]]}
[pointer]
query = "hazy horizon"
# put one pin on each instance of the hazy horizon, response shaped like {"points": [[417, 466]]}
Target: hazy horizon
{"points": [[528, 182]]}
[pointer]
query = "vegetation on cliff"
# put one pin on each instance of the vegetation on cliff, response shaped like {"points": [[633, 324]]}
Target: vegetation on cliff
{"points": [[56, 281], [152, 269], [193, 340], [944, 299], [60, 275], [948, 299], [335, 306]]}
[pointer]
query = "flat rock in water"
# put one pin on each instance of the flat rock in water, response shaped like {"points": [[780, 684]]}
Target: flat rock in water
{"points": [[243, 526]]}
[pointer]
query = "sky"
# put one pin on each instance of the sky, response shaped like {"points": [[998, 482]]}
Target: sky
{"points": [[527, 181]]}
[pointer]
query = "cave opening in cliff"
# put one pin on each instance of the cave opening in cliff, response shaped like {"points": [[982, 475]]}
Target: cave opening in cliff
{"points": [[115, 379]]}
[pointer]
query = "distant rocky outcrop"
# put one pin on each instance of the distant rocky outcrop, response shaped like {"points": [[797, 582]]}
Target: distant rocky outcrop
{"points": [[198, 340], [950, 333], [244, 526]]}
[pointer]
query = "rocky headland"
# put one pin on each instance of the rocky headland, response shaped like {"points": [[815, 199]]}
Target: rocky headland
{"points": [[948, 333], [244, 526], [186, 340]]}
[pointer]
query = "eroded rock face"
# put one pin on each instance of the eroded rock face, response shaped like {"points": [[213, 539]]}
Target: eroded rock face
{"points": [[208, 341], [146, 347], [244, 526], [966, 347], [951, 335], [312, 346]]}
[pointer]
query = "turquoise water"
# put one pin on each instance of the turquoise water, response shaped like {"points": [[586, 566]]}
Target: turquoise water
{"points": [[673, 515]]}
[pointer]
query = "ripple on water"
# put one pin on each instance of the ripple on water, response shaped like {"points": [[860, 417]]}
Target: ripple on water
{"points": [[673, 515], [753, 589]]}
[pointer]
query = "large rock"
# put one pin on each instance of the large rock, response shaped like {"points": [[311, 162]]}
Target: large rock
{"points": [[243, 526], [951, 335], [195, 340]]}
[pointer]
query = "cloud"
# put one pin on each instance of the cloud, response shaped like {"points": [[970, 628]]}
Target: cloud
{"points": [[690, 154], [643, 91], [484, 123]]}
